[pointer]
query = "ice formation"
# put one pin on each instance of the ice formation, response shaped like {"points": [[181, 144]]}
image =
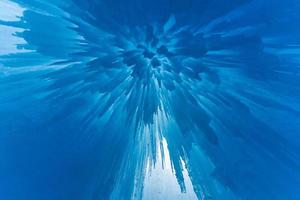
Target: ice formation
{"points": [[115, 99]]}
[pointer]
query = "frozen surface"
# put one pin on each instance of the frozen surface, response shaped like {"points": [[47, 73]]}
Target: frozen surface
{"points": [[149, 99]]}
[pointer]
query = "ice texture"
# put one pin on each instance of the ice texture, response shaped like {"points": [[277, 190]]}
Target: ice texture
{"points": [[149, 99]]}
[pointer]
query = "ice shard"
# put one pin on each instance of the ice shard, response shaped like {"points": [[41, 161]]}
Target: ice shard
{"points": [[149, 99]]}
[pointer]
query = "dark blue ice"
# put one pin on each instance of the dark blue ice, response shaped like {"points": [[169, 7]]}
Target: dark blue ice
{"points": [[149, 99]]}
